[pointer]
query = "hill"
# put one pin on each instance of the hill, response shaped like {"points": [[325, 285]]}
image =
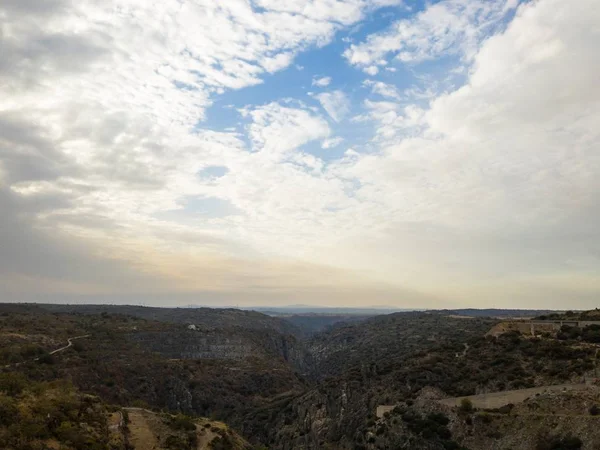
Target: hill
{"points": [[224, 373], [328, 389], [208, 317], [55, 415]]}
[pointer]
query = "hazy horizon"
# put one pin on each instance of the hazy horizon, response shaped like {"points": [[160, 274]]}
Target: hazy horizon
{"points": [[422, 155]]}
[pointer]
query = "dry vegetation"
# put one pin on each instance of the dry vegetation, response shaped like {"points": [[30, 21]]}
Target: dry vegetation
{"points": [[278, 390]]}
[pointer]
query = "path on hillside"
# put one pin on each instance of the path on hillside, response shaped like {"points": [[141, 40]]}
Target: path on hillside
{"points": [[58, 350], [70, 344], [115, 421], [141, 434], [494, 400], [519, 414], [146, 427], [498, 399], [464, 353]]}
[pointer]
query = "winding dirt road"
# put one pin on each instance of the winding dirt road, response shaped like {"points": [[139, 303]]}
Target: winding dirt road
{"points": [[58, 350], [70, 343]]}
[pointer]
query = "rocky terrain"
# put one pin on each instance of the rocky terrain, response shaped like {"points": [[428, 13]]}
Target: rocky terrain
{"points": [[55, 415], [282, 387]]}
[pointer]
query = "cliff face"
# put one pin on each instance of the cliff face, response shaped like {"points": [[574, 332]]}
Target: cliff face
{"points": [[227, 344], [331, 413]]}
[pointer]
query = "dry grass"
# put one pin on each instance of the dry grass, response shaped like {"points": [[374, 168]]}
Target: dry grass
{"points": [[141, 426]]}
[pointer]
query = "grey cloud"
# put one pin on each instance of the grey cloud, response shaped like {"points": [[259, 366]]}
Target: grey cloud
{"points": [[29, 57], [27, 154], [43, 254], [33, 7]]}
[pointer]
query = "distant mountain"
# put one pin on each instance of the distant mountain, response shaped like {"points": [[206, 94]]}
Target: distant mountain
{"points": [[500, 313], [307, 309]]}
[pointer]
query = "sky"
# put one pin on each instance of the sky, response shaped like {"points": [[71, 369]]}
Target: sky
{"points": [[412, 154]]}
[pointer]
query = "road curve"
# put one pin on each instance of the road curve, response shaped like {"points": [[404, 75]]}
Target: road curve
{"points": [[70, 343]]}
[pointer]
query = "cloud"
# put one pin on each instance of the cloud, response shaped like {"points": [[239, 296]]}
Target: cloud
{"points": [[393, 120], [321, 82], [502, 168], [332, 143], [278, 129], [480, 194], [443, 28], [336, 103], [383, 89]]}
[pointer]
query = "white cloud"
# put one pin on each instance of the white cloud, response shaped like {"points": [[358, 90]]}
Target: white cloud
{"points": [[336, 103], [345, 12], [277, 62], [392, 119], [443, 28], [383, 89], [459, 195], [321, 82], [278, 129], [105, 93], [503, 168], [332, 142], [371, 70]]}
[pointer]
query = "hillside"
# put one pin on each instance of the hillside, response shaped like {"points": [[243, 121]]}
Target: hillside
{"points": [[322, 391], [220, 372], [55, 415], [554, 420], [390, 360], [207, 317]]}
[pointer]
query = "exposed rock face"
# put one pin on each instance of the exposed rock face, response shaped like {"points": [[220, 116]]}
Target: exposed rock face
{"points": [[227, 344], [331, 414], [178, 396], [190, 344]]}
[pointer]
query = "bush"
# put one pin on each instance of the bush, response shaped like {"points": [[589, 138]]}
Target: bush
{"points": [[439, 418], [12, 383], [594, 410], [568, 442], [506, 409], [466, 405], [175, 443], [46, 358], [8, 410], [486, 418], [182, 422]]}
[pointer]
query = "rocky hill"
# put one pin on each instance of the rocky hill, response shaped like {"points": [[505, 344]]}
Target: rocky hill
{"points": [[220, 372], [285, 392], [206, 317], [55, 415], [553, 420], [392, 359]]}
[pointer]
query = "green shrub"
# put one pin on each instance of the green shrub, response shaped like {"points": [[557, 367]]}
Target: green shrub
{"points": [[466, 405], [568, 442], [12, 383], [439, 417], [182, 422], [8, 410]]}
